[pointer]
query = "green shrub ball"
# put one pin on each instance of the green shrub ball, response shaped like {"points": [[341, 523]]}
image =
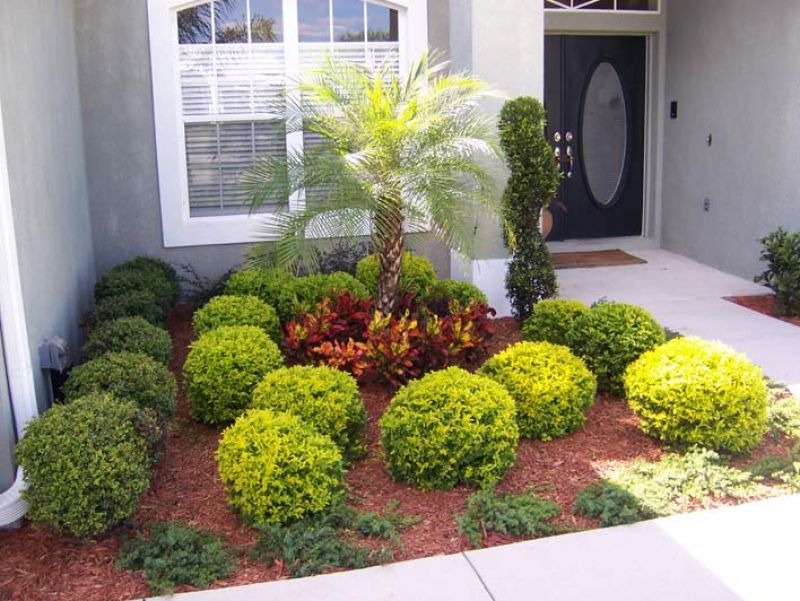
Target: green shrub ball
{"points": [[312, 289], [552, 388], [443, 293], [138, 274], [127, 376], [276, 468], [131, 335], [138, 303], [417, 275], [692, 392], [223, 368], [229, 310], [326, 398], [448, 428], [86, 464], [275, 287], [610, 337], [552, 320]]}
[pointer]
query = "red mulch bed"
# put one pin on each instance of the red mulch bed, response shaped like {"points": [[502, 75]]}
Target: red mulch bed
{"points": [[764, 303], [38, 565]]}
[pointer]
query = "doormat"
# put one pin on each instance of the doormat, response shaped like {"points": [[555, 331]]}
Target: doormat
{"points": [[599, 258]]}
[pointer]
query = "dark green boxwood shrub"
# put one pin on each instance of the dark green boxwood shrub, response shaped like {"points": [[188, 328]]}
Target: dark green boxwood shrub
{"points": [[176, 554], [276, 468], [462, 294], [781, 253], [130, 335], [143, 273], [311, 289], [223, 368], [275, 287], [417, 274], [448, 428], [552, 320], [324, 397], [532, 185], [692, 392], [141, 303], [551, 387], [229, 310], [129, 376], [610, 337], [86, 464]]}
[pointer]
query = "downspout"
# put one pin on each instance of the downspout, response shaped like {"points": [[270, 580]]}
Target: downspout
{"points": [[19, 369]]}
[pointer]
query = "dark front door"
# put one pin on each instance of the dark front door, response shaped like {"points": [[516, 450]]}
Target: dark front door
{"points": [[595, 100]]}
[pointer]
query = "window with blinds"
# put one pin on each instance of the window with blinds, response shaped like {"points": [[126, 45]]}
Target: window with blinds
{"points": [[235, 59]]}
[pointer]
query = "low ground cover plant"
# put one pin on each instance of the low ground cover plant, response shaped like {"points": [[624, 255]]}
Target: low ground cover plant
{"points": [[781, 253], [223, 368], [552, 388], [417, 275], [276, 468], [447, 428], [610, 337], [131, 335], [128, 376], [552, 320], [174, 554], [524, 514], [692, 392], [323, 397], [645, 490], [783, 412], [244, 310], [86, 464]]}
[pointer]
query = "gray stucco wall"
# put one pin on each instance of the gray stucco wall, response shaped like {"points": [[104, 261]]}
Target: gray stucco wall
{"points": [[44, 142], [732, 66], [117, 104]]}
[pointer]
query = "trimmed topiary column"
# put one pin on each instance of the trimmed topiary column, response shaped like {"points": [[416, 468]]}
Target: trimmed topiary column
{"points": [[531, 187]]}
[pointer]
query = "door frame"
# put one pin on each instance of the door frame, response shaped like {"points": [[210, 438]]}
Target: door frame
{"points": [[16, 346], [652, 27]]}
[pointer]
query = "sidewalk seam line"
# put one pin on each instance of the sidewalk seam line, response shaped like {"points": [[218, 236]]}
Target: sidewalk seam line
{"points": [[480, 578]]}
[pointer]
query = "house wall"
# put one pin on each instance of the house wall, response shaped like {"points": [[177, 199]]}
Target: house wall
{"points": [[46, 170], [732, 67], [117, 104]]}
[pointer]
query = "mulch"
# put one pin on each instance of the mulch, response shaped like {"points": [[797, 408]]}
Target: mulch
{"points": [[36, 564], [763, 303]]}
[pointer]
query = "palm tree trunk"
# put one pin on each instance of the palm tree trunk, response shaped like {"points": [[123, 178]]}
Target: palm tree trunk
{"points": [[390, 257]]}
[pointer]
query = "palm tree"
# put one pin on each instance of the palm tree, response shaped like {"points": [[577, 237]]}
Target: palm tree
{"points": [[391, 152]]}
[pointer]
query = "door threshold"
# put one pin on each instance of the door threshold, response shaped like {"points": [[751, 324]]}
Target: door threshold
{"points": [[622, 243]]}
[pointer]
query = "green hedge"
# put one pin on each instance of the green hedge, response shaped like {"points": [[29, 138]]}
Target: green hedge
{"points": [[229, 310], [223, 368], [693, 392], [276, 468], [444, 292], [417, 274], [448, 428], [610, 337], [552, 320], [131, 335], [326, 398], [311, 289], [275, 287], [129, 376], [551, 387], [86, 464]]}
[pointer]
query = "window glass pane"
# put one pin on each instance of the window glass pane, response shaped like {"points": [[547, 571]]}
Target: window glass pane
{"points": [[194, 25], [314, 20], [266, 18], [231, 21], [381, 24], [348, 21]]}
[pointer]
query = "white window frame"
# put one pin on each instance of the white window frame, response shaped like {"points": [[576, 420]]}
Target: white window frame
{"points": [[566, 7], [179, 228]]}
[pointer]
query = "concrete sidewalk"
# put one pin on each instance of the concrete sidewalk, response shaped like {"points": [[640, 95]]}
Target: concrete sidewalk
{"points": [[745, 553], [684, 296]]}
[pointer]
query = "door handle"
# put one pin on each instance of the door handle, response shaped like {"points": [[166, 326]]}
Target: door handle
{"points": [[570, 160]]}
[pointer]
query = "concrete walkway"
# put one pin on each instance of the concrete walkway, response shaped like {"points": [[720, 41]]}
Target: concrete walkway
{"points": [[745, 553], [684, 296]]}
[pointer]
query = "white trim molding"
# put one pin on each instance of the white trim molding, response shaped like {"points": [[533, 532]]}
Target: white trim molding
{"points": [[179, 227], [16, 346]]}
